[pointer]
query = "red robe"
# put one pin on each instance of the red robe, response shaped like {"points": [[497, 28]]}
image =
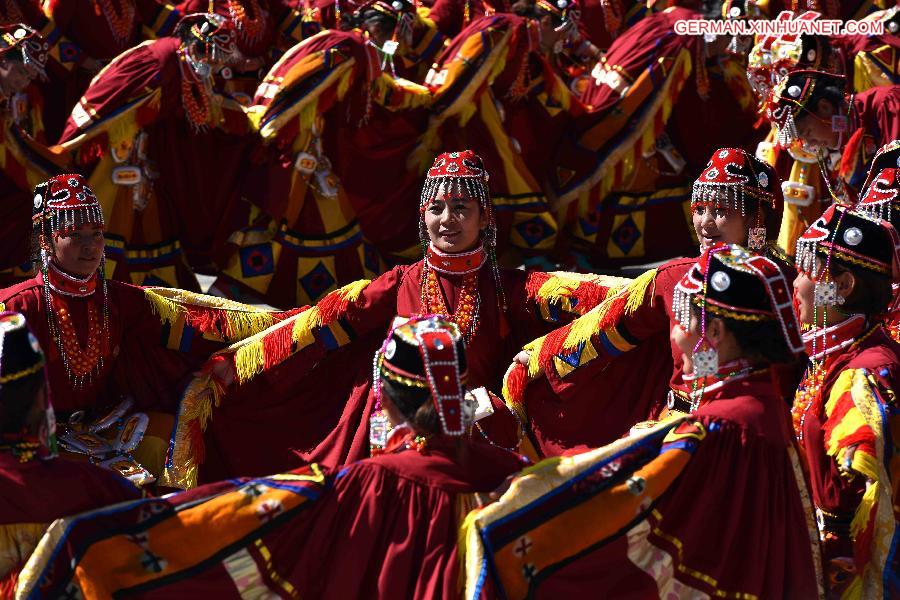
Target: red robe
{"points": [[385, 527], [716, 505], [318, 402], [624, 361], [138, 364], [858, 381], [37, 492], [874, 121], [399, 513], [306, 241], [625, 204], [189, 212]]}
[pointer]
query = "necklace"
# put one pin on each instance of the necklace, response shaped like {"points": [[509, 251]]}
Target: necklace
{"points": [[727, 374], [196, 91], [81, 362], [119, 17], [468, 307], [809, 394], [249, 27]]}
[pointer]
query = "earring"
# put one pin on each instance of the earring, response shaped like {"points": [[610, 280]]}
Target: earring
{"points": [[825, 294], [706, 361], [756, 238]]}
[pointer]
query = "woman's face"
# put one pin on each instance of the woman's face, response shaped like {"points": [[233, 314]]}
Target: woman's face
{"points": [[719, 224], [454, 223], [79, 251], [815, 128], [804, 294], [686, 339]]}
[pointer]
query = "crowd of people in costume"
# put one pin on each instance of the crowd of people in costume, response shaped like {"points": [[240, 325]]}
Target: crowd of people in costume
{"points": [[468, 398]]}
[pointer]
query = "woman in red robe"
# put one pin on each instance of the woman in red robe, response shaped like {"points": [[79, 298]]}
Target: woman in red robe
{"points": [[111, 344], [430, 466], [24, 158], [621, 346], [811, 106], [164, 208], [37, 487], [383, 527], [714, 504], [305, 384], [845, 409]]}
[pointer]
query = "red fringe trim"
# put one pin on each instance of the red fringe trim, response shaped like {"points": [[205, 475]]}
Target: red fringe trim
{"points": [[516, 383], [851, 152], [9, 581], [533, 284], [277, 345], [553, 343], [589, 295], [332, 306]]}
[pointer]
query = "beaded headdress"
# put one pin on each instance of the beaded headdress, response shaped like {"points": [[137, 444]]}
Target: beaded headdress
{"points": [[887, 157], [20, 353], [853, 237], [730, 177], [882, 195], [731, 282], [790, 96], [214, 31], [65, 202], [429, 352], [33, 48]]}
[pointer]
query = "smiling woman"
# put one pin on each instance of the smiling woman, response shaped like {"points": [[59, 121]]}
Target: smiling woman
{"points": [[455, 223]]}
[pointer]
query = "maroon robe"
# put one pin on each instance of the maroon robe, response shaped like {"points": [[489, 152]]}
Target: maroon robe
{"points": [[597, 401], [834, 493], [318, 402], [730, 517], [138, 366], [197, 203], [875, 121], [37, 492], [389, 527]]}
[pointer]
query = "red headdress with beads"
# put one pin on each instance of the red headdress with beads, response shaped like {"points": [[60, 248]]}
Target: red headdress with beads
{"points": [[456, 174], [731, 176], [882, 196], [732, 282], [791, 95], [66, 202], [210, 29]]}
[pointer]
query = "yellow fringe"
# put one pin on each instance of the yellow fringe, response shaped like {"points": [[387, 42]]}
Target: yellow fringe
{"points": [[585, 326], [864, 510], [243, 320], [196, 404], [306, 322], [249, 359]]}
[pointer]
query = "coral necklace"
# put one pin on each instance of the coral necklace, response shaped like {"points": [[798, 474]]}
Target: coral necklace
{"points": [[468, 306], [249, 26], [81, 362], [119, 17]]}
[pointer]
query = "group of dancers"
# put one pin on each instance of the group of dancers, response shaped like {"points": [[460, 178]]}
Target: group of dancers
{"points": [[404, 410], [722, 425]]}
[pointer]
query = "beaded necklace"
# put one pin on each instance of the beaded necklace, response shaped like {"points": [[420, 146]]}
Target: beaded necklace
{"points": [[468, 306], [119, 16], [196, 92], [249, 28], [809, 393], [727, 373], [81, 362]]}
